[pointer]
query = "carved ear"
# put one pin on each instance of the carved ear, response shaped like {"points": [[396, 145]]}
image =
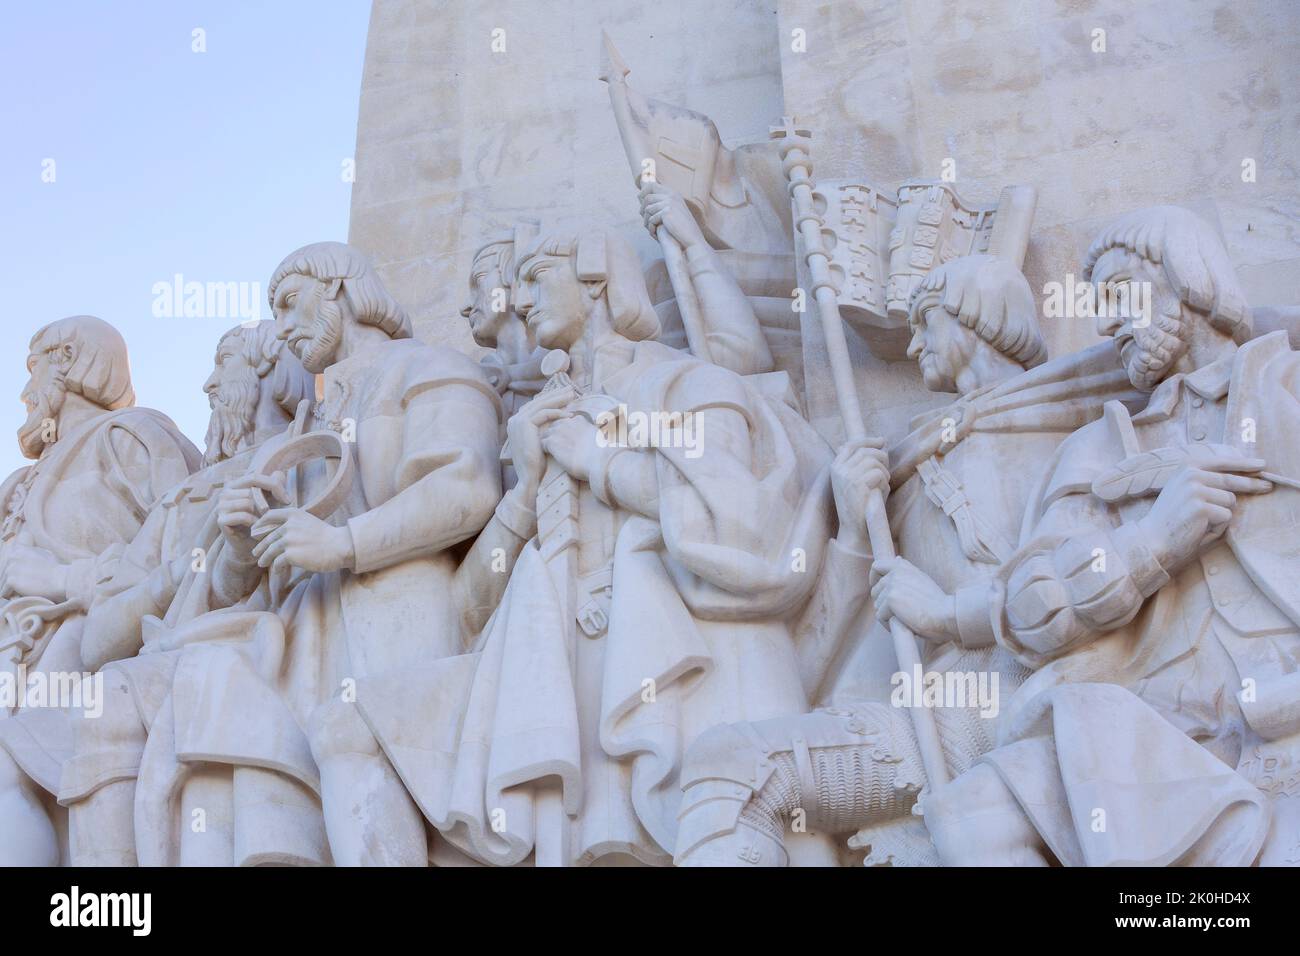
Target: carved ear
{"points": [[332, 288], [596, 289]]}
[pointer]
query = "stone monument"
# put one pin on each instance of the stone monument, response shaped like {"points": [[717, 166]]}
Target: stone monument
{"points": [[810, 435]]}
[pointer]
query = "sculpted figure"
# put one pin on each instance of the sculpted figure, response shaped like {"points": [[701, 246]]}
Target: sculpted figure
{"points": [[255, 388], [299, 603], [99, 463], [1155, 595], [732, 333], [961, 479], [513, 365], [650, 604]]}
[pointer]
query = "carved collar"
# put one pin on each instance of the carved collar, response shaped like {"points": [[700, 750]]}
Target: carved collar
{"points": [[1209, 382]]}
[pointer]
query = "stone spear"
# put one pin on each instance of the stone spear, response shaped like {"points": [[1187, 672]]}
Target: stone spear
{"points": [[808, 224], [614, 72]]}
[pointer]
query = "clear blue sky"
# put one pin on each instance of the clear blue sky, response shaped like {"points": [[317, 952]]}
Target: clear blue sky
{"points": [[213, 165]]}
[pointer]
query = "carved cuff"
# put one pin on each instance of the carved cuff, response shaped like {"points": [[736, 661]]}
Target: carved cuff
{"points": [[601, 466], [700, 259], [82, 576], [372, 543], [974, 617], [1143, 569], [516, 518], [231, 575]]}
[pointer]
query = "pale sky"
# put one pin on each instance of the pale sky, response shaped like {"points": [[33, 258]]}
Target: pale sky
{"points": [[213, 165]]}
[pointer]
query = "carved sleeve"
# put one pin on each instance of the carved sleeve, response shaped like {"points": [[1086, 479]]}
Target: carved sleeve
{"points": [[448, 479], [1079, 576], [735, 337], [481, 577]]}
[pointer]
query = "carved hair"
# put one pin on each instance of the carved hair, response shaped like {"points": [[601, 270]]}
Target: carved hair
{"points": [[600, 255], [1193, 258], [370, 300], [501, 252], [264, 352], [989, 296], [97, 367]]}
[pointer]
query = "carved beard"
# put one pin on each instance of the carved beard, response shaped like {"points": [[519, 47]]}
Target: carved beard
{"points": [[31, 436], [1155, 349], [320, 346], [234, 410]]}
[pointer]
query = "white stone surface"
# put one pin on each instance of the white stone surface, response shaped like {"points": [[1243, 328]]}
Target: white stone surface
{"points": [[774, 508]]}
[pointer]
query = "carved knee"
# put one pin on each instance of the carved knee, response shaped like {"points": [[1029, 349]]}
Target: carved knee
{"points": [[108, 746]]}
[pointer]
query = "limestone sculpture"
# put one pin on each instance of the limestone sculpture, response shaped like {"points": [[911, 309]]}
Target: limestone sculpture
{"points": [[99, 463], [255, 389], [626, 590], [514, 362], [958, 480], [393, 466], [635, 585], [1155, 595]]}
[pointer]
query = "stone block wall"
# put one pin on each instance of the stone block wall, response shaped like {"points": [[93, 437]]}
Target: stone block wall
{"points": [[456, 141]]}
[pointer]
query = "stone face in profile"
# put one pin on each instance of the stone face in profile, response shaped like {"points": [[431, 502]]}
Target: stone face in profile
{"points": [[366, 591], [255, 388], [958, 480], [642, 622], [585, 601], [99, 465], [1146, 595], [511, 366]]}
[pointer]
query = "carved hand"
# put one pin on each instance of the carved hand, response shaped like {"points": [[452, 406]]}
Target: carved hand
{"points": [[523, 432], [1194, 508], [572, 443], [296, 537], [663, 208], [859, 468], [238, 509], [33, 572], [904, 591]]}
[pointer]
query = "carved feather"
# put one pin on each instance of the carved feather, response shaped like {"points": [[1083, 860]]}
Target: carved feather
{"points": [[1148, 473]]}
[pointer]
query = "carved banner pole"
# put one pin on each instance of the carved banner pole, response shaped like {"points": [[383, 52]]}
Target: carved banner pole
{"points": [[614, 72], [798, 169]]}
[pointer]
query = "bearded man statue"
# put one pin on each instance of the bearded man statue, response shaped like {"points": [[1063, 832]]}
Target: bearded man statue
{"points": [[255, 388], [295, 606], [99, 465], [1155, 594]]}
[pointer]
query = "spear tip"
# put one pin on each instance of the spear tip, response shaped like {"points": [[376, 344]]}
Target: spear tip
{"points": [[612, 67]]}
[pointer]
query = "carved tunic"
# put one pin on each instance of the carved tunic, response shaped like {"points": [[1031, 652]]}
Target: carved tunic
{"points": [[1183, 643]]}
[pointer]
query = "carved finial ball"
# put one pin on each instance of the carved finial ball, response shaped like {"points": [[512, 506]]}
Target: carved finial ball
{"points": [[554, 362]]}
